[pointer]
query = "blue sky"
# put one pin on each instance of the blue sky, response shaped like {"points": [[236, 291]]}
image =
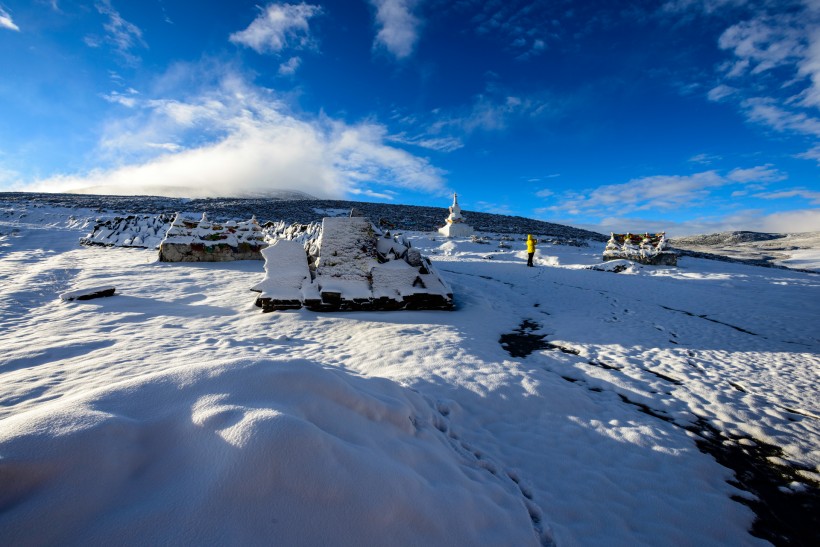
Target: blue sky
{"points": [[684, 115]]}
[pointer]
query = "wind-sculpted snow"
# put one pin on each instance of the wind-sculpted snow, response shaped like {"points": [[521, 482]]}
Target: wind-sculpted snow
{"points": [[558, 405], [249, 453]]}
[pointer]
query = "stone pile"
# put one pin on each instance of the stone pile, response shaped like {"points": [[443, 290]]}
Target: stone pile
{"points": [[650, 249], [206, 241], [143, 231], [351, 266]]}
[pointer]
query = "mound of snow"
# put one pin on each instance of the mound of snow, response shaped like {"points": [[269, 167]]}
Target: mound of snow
{"points": [[617, 266], [285, 453]]}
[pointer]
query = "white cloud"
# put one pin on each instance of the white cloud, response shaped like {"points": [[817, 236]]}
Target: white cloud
{"points": [[236, 139], [761, 173], [398, 27], [810, 68], [446, 130], [812, 196], [277, 27], [662, 193], [127, 100], [764, 43], [122, 34], [706, 6], [544, 193], [813, 154], [806, 220], [773, 72], [6, 21], [289, 67], [705, 159], [768, 112], [9, 177], [801, 220], [720, 92], [491, 112], [439, 144]]}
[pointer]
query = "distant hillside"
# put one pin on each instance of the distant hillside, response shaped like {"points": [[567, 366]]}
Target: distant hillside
{"points": [[725, 238], [403, 217], [796, 251]]}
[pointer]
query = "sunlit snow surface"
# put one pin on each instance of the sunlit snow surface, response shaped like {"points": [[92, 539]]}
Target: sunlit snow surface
{"points": [[176, 412]]}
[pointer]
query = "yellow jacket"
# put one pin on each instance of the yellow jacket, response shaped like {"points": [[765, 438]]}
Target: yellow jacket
{"points": [[531, 243]]}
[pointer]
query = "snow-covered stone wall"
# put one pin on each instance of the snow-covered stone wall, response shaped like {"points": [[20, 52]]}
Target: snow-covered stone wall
{"points": [[206, 241], [144, 231], [646, 249], [351, 266]]}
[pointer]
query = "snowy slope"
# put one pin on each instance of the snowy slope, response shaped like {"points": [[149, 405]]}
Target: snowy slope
{"points": [[798, 251], [176, 412]]}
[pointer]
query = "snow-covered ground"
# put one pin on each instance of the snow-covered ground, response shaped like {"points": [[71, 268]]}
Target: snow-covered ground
{"points": [[177, 412], [797, 251]]}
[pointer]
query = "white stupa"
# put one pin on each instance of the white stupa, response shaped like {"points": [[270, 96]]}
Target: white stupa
{"points": [[456, 227]]}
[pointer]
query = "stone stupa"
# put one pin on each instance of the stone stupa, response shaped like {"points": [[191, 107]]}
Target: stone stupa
{"points": [[456, 227]]}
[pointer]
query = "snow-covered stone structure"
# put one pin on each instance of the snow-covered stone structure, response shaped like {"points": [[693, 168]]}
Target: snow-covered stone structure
{"points": [[351, 266], [455, 225], [646, 249], [206, 241], [143, 231]]}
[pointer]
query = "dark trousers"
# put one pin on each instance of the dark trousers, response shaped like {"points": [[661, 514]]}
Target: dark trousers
{"points": [[529, 259]]}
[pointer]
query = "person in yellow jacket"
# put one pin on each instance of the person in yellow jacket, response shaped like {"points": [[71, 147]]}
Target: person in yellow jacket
{"points": [[530, 248]]}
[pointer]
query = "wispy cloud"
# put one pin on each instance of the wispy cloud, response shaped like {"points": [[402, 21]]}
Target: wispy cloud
{"points": [[809, 195], [813, 154], [663, 192], [6, 21], [120, 34], [232, 138], [439, 144], [720, 92], [658, 193], [764, 43], [773, 69], [495, 111], [398, 27], [678, 7], [800, 220], [810, 68], [289, 67], [277, 27], [760, 174], [705, 159], [127, 99], [772, 113]]}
